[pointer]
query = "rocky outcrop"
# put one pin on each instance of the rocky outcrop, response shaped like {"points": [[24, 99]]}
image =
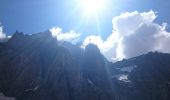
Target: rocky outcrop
{"points": [[35, 67], [95, 71], [147, 77], [38, 67]]}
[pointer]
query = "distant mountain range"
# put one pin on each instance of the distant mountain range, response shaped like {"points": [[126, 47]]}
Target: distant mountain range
{"points": [[38, 67]]}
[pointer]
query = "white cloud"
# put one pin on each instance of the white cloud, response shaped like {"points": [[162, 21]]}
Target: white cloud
{"points": [[145, 35], [107, 47], [141, 41], [64, 36], [133, 34], [2, 35], [127, 23]]}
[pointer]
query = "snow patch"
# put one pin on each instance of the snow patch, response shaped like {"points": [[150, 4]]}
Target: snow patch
{"points": [[127, 69], [33, 89], [122, 77], [90, 82]]}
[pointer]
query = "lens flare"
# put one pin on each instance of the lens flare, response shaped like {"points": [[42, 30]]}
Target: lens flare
{"points": [[92, 6]]}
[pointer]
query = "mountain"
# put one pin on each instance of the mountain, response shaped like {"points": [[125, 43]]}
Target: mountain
{"points": [[37, 67], [146, 77]]}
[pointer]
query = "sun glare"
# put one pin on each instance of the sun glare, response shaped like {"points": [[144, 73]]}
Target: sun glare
{"points": [[92, 6]]}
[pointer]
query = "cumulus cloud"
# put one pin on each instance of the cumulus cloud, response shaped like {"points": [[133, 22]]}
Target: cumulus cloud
{"points": [[141, 41], [134, 33], [65, 36], [2, 35], [146, 35]]}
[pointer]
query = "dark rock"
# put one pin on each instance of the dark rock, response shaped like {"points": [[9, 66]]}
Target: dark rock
{"points": [[38, 67], [2, 97], [147, 81], [96, 73], [35, 67]]}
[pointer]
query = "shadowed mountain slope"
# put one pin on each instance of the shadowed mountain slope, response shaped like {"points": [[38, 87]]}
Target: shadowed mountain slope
{"points": [[35, 67], [38, 67]]}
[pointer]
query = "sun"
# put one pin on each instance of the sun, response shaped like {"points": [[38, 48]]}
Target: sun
{"points": [[92, 6]]}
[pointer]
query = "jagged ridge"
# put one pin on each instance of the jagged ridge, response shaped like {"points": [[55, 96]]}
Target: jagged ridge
{"points": [[35, 67]]}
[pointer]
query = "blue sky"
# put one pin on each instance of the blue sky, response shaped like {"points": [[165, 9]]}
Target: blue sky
{"points": [[31, 16], [124, 29]]}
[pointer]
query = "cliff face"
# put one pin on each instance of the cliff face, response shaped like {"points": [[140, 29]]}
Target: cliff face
{"points": [[38, 67], [95, 71], [35, 67], [146, 77]]}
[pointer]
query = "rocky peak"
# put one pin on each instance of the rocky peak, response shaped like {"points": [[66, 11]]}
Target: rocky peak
{"points": [[92, 49], [17, 35], [95, 70], [45, 34], [34, 67]]}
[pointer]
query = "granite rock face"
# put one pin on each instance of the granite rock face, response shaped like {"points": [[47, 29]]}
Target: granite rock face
{"points": [[146, 77], [38, 67], [95, 71], [35, 67]]}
